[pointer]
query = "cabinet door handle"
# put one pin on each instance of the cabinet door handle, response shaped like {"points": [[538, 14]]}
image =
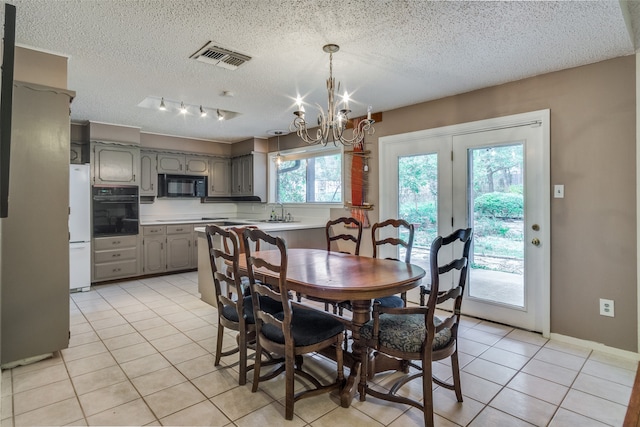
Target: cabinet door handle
{"points": [[178, 229], [115, 255], [161, 245], [115, 242], [151, 187]]}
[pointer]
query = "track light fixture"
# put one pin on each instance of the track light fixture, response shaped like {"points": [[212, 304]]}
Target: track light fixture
{"points": [[162, 106], [203, 113], [220, 114], [183, 109]]}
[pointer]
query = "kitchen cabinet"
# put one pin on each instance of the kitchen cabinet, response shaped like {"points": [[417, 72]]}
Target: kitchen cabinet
{"points": [[115, 258], [249, 175], [180, 164], [115, 164], [179, 247], [148, 173], [219, 177], [153, 249], [168, 248]]}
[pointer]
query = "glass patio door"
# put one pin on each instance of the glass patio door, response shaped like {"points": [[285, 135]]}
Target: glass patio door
{"points": [[494, 181]]}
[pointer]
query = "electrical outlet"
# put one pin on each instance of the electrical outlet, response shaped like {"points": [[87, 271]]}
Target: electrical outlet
{"points": [[606, 307]]}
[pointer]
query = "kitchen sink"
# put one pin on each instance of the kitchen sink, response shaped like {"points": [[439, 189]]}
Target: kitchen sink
{"points": [[275, 221]]}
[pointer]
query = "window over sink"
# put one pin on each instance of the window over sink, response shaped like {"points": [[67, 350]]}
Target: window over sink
{"points": [[306, 175]]}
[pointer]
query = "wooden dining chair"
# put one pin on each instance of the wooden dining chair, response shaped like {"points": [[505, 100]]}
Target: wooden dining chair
{"points": [[397, 225], [292, 332], [235, 311], [239, 231], [334, 236], [416, 334]]}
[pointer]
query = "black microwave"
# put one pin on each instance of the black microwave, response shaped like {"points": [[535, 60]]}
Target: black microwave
{"points": [[182, 186]]}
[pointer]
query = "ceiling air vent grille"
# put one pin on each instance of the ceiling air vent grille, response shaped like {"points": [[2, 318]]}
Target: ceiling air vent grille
{"points": [[221, 57]]}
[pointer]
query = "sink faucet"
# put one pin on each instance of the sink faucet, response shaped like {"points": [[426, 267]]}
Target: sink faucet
{"points": [[281, 211]]}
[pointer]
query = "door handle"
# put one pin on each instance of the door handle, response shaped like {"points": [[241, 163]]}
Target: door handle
{"points": [[536, 241]]}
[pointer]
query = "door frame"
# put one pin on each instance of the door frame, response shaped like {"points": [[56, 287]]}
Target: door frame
{"points": [[540, 117]]}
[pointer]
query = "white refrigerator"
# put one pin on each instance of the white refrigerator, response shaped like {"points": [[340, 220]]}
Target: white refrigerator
{"points": [[79, 228]]}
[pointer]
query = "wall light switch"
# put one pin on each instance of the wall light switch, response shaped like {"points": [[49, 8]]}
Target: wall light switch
{"points": [[558, 191]]}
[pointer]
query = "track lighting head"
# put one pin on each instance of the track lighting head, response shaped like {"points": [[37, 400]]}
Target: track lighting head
{"points": [[203, 113], [162, 106]]}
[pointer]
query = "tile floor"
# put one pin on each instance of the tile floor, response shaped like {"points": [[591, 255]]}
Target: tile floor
{"points": [[141, 353]]}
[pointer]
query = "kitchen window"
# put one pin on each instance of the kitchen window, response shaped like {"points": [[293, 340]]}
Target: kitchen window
{"points": [[308, 175]]}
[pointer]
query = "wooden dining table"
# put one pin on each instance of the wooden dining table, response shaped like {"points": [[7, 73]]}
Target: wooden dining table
{"points": [[335, 276]]}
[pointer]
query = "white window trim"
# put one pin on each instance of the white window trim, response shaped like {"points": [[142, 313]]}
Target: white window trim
{"points": [[297, 154]]}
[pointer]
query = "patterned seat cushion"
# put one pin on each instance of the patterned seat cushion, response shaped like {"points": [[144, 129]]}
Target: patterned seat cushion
{"points": [[308, 327], [405, 332]]}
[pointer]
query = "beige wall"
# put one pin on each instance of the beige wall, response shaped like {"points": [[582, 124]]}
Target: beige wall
{"points": [[593, 151], [32, 66]]}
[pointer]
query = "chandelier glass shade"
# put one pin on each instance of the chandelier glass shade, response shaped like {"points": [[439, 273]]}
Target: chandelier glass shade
{"points": [[331, 124]]}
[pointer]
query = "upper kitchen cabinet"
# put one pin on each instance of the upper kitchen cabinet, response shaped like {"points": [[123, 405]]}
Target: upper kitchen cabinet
{"points": [[115, 164], [249, 175], [148, 173], [219, 177], [180, 164]]}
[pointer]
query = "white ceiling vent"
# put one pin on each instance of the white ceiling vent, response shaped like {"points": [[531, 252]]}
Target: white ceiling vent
{"points": [[221, 57]]}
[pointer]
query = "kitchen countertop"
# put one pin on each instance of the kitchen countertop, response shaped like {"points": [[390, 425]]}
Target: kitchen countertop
{"points": [[227, 222]]}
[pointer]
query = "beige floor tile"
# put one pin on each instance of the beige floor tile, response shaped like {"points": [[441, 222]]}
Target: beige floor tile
{"points": [[478, 388], [108, 397], [82, 351], [6, 406], [528, 337], [595, 407], [171, 341], [415, 418], [96, 317], [135, 412], [184, 353], [239, 401], [141, 315], [614, 392], [614, 360], [55, 359], [380, 410], [345, 416], [98, 379], [179, 316], [197, 367], [217, 382], [505, 358], [187, 325], [80, 328], [564, 418], [158, 380], [520, 405], [115, 331], [472, 348], [201, 414], [447, 406], [269, 415], [490, 371], [42, 396], [518, 347], [90, 364], [123, 341], [144, 365], [159, 332], [168, 309], [153, 322], [493, 328], [57, 414], [39, 378], [83, 338], [609, 372], [576, 350], [202, 333], [173, 399], [550, 372], [133, 308], [539, 388], [560, 358], [491, 417], [136, 351], [480, 336], [7, 382]]}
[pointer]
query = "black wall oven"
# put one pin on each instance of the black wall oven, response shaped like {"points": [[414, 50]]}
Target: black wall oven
{"points": [[115, 211]]}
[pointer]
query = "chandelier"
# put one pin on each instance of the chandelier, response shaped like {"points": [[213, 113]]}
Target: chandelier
{"points": [[332, 124]]}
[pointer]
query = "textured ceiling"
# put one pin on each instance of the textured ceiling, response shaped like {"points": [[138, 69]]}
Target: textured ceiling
{"points": [[393, 53]]}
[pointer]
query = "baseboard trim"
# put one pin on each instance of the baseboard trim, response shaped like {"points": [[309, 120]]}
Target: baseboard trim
{"points": [[596, 346]]}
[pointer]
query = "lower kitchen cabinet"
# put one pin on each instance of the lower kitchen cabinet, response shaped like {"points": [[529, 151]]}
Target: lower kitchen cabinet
{"points": [[115, 258], [168, 248]]}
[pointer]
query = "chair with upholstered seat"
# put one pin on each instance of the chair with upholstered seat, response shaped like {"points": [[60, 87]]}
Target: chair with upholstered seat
{"points": [[294, 331], [397, 226], [334, 236], [239, 231], [415, 333], [235, 311]]}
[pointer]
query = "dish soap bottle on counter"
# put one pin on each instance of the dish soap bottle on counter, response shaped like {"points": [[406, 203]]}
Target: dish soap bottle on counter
{"points": [[273, 215]]}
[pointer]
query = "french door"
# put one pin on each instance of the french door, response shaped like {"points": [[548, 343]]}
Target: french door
{"points": [[492, 176]]}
